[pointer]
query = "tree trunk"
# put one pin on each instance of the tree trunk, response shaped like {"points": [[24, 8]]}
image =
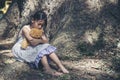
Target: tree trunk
{"points": [[19, 14], [69, 21]]}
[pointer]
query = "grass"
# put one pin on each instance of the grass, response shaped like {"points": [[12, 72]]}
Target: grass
{"points": [[89, 49]]}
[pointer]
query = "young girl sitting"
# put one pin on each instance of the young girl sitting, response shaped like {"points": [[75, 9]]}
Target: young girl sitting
{"points": [[39, 50]]}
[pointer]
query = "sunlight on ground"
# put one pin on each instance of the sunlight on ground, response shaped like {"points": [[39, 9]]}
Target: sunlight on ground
{"points": [[7, 53], [91, 36], [96, 5], [9, 61], [91, 65]]}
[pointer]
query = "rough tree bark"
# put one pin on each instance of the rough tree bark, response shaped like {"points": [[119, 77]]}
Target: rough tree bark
{"points": [[19, 14], [69, 21]]}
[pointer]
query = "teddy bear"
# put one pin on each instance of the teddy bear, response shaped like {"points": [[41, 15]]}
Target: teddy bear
{"points": [[35, 33]]}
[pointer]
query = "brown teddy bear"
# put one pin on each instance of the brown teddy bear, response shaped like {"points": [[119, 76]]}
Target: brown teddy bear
{"points": [[35, 33]]}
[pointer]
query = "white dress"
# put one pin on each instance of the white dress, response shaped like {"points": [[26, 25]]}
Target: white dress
{"points": [[31, 54]]}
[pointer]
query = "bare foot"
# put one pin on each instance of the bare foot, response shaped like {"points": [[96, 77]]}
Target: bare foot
{"points": [[53, 72], [64, 70]]}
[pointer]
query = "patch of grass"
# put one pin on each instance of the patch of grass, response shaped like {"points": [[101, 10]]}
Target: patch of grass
{"points": [[85, 49], [118, 77], [116, 64], [70, 58], [65, 58], [64, 77], [89, 49], [100, 44]]}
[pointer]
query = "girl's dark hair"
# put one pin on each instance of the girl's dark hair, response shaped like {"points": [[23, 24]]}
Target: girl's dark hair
{"points": [[40, 15]]}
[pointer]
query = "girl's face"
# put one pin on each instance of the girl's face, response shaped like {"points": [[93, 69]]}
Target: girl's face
{"points": [[38, 23]]}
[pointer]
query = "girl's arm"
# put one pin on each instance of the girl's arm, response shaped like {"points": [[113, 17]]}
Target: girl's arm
{"points": [[34, 41]]}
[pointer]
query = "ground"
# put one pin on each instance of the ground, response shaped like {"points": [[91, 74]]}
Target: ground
{"points": [[80, 69]]}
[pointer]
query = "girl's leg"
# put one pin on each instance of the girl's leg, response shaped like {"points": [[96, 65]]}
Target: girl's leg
{"points": [[55, 58], [47, 68], [44, 62]]}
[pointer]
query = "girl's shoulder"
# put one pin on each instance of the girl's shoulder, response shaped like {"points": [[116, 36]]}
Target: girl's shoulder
{"points": [[26, 27]]}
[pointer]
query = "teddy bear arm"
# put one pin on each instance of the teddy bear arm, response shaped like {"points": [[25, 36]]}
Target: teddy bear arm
{"points": [[24, 44]]}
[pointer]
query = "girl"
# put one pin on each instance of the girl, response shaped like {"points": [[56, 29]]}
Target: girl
{"points": [[40, 51]]}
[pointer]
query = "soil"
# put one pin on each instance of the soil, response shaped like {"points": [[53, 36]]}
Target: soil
{"points": [[80, 69]]}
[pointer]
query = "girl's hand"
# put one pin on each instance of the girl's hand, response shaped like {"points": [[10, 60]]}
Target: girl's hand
{"points": [[34, 41], [44, 38]]}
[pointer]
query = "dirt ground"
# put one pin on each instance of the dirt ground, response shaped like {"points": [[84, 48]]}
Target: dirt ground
{"points": [[81, 69]]}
